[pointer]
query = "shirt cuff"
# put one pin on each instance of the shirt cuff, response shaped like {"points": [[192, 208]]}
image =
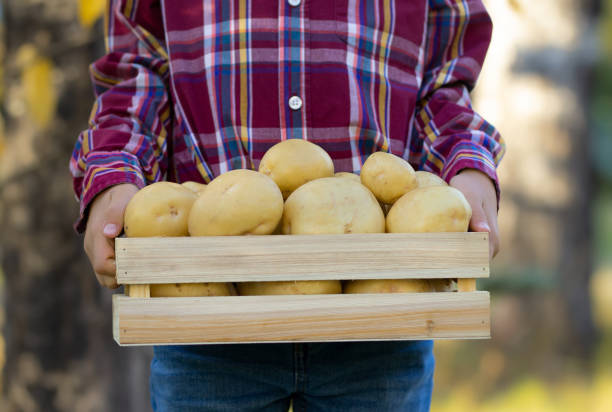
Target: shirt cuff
{"points": [[103, 171], [468, 155]]}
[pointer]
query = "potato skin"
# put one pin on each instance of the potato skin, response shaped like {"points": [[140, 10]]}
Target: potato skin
{"points": [[332, 206], [430, 209], [299, 287], [194, 186], [160, 209], [387, 176], [397, 286], [293, 162], [191, 289], [426, 179], [387, 286], [323, 206], [239, 202], [348, 175]]}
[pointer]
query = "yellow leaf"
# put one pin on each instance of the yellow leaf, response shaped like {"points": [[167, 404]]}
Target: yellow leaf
{"points": [[90, 11], [40, 96]]}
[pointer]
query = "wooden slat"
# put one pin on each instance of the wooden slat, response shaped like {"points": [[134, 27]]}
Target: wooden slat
{"points": [[300, 318], [306, 257]]}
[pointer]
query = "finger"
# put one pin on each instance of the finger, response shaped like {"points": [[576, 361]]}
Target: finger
{"points": [[113, 221], [479, 221], [107, 281], [103, 259], [494, 239]]}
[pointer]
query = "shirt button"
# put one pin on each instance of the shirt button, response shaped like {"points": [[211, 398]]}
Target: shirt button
{"points": [[294, 3], [295, 103]]}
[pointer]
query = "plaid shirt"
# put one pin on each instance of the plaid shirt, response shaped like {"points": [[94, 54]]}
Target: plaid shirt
{"points": [[192, 88]]}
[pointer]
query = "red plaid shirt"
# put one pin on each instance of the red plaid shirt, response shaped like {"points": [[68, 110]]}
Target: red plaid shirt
{"points": [[193, 88]]}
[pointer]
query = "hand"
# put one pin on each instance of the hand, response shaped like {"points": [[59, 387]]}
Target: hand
{"points": [[104, 224], [479, 191]]}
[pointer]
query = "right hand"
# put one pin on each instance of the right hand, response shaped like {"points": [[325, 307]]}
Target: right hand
{"points": [[104, 224]]}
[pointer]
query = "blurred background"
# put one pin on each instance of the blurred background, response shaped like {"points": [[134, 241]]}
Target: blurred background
{"points": [[546, 85]]}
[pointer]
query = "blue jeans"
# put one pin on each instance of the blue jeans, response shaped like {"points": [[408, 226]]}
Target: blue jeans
{"points": [[344, 376]]}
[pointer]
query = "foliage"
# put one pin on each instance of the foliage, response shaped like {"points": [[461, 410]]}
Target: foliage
{"points": [[532, 395], [90, 11], [38, 86]]}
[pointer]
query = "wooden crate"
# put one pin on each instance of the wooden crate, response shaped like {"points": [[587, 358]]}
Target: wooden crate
{"points": [[141, 320]]}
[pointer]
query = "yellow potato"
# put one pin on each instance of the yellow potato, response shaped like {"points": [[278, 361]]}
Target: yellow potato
{"points": [[293, 162], [239, 202], [426, 179], [397, 286], [430, 209], [323, 206], [309, 287], [348, 175], [388, 286], [160, 209], [332, 206], [443, 285], [355, 177], [387, 176], [192, 289], [194, 186]]}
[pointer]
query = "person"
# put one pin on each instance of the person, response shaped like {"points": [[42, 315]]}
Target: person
{"points": [[190, 89]]}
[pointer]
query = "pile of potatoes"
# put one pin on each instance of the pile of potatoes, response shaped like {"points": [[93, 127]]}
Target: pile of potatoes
{"points": [[296, 192]]}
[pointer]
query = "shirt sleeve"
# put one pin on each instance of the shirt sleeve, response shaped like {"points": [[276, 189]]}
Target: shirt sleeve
{"points": [[455, 136], [131, 117]]}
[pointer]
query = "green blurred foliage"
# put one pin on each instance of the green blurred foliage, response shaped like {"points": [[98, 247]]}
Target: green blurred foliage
{"points": [[601, 110]]}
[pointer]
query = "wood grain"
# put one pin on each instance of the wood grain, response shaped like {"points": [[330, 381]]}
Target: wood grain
{"points": [[306, 257], [300, 318]]}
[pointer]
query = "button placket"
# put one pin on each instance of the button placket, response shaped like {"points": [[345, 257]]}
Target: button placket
{"points": [[294, 3]]}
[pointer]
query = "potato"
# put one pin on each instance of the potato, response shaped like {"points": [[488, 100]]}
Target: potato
{"points": [[323, 206], [293, 162], [348, 175], [239, 202], [387, 176], [426, 179], [299, 287], [430, 209], [192, 289], [355, 177], [443, 285], [160, 209], [194, 186], [332, 206], [388, 286]]}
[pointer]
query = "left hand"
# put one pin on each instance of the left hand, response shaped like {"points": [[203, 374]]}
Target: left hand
{"points": [[479, 191]]}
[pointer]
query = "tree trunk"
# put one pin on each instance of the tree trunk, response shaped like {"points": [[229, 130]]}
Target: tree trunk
{"points": [[60, 354]]}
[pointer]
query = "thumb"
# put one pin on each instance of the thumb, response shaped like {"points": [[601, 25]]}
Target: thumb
{"points": [[118, 198], [112, 230], [113, 222], [479, 222]]}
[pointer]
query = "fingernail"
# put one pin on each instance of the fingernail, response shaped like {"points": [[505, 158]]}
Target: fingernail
{"points": [[110, 229], [484, 227]]}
